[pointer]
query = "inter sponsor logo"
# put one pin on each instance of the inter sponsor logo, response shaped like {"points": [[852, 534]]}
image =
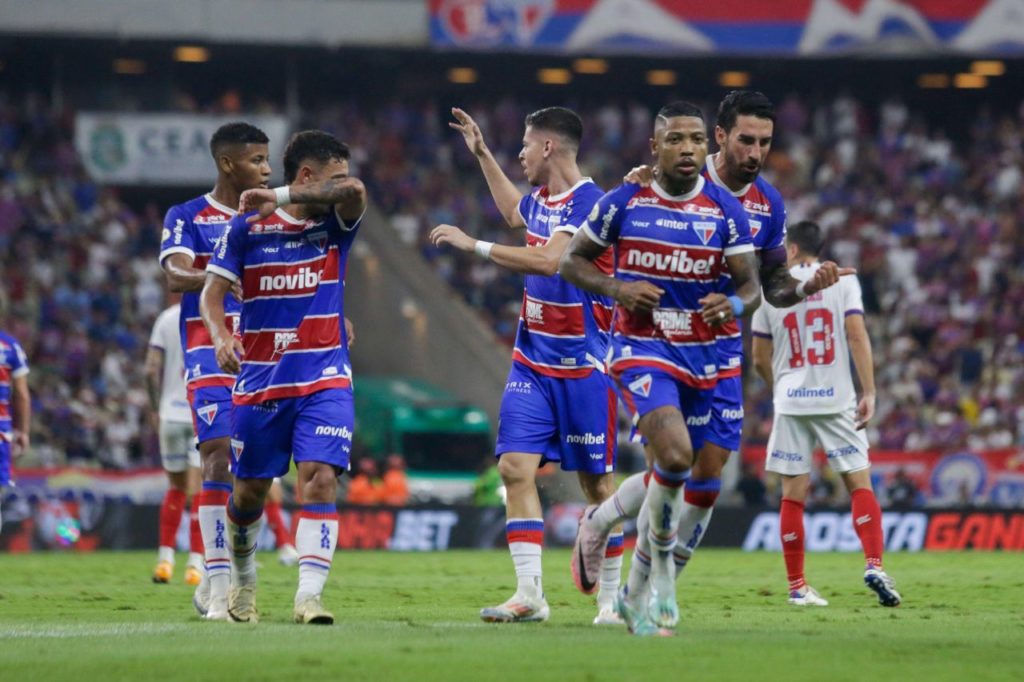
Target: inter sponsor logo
{"points": [[801, 392], [672, 224], [678, 261], [305, 278], [585, 439], [336, 431]]}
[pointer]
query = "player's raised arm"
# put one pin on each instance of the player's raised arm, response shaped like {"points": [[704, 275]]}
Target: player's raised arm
{"points": [[783, 290], [529, 260], [346, 194], [506, 195]]}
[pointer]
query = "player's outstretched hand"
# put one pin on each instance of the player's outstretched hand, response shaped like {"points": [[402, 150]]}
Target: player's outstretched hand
{"points": [[640, 175], [639, 296], [865, 410], [263, 201], [470, 131], [827, 275], [716, 309], [449, 234], [229, 355], [350, 332]]}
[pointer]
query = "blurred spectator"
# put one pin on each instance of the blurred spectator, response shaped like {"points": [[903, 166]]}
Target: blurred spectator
{"points": [[488, 488], [751, 487], [365, 487], [902, 491], [395, 490]]}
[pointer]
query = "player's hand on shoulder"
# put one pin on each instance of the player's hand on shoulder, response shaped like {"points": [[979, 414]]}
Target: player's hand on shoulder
{"points": [[470, 131], [639, 296], [449, 234], [827, 275], [229, 354], [865, 410], [263, 201], [642, 175]]}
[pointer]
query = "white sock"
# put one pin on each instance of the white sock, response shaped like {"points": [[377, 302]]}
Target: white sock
{"points": [[165, 554], [664, 501], [195, 559], [213, 525], [638, 582], [525, 543], [316, 538], [243, 532], [611, 572], [693, 523], [624, 504]]}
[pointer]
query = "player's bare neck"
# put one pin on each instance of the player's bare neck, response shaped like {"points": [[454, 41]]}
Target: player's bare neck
{"points": [[676, 188], [225, 194], [562, 178]]}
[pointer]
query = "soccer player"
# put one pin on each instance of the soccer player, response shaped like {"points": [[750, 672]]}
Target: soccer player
{"points": [[744, 130], [14, 395], [804, 353], [293, 393], [168, 403], [558, 404], [672, 240], [190, 232]]}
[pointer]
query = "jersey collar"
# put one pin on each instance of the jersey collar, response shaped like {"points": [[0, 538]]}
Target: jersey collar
{"points": [[219, 206], [692, 194]]}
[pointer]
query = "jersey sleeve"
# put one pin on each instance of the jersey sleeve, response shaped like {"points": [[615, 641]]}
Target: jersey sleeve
{"points": [[526, 203], [577, 211], [604, 221], [737, 225], [177, 235], [229, 250], [19, 361], [776, 237], [350, 225], [853, 302], [759, 325]]}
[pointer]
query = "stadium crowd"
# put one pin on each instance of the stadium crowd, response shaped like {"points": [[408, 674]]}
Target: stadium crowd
{"points": [[930, 224]]}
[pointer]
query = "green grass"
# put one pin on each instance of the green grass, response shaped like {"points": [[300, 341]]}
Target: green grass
{"points": [[414, 617]]}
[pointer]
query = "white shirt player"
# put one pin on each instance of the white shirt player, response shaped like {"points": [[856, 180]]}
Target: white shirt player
{"points": [[810, 352], [167, 337]]}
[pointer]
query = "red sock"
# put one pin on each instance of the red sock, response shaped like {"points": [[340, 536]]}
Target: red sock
{"points": [[867, 521], [195, 536], [170, 516], [791, 529], [281, 535]]}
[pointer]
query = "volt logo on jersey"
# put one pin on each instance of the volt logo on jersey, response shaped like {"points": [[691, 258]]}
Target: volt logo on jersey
{"points": [[704, 230], [207, 413], [642, 386]]}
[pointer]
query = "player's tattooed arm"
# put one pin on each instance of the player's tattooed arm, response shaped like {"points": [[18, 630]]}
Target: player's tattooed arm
{"points": [[506, 195], [211, 308], [346, 194], [782, 290], [577, 266]]}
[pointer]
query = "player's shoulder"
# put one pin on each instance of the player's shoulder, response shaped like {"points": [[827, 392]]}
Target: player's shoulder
{"points": [[768, 191], [721, 196], [7, 339], [189, 209]]}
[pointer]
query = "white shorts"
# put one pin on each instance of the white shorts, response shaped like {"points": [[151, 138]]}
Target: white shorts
{"points": [[795, 437], [178, 446]]}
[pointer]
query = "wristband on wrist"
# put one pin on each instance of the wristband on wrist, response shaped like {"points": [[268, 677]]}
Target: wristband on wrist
{"points": [[483, 249], [801, 291], [282, 195], [737, 305]]}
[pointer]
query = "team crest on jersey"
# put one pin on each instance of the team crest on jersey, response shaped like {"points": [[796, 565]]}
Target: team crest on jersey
{"points": [[318, 239], [704, 230], [236, 448], [642, 386], [207, 413], [755, 227]]}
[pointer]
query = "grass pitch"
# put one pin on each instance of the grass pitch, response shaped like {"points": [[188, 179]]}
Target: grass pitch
{"points": [[66, 616]]}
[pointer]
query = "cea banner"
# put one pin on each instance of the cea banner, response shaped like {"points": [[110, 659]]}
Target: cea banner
{"points": [[809, 27], [160, 149]]}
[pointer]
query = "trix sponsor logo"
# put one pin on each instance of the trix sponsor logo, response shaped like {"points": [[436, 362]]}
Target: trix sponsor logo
{"points": [[585, 439], [305, 278], [679, 261], [336, 431], [673, 321], [519, 387], [284, 339]]}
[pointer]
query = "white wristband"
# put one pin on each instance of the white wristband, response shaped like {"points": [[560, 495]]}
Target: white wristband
{"points": [[801, 292], [483, 249], [283, 195]]}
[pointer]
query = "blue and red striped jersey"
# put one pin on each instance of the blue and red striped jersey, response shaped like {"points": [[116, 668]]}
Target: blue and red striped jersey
{"points": [[678, 243], [766, 214], [13, 364], [563, 330], [292, 274], [193, 228]]}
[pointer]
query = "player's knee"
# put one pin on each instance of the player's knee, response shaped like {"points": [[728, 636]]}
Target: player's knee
{"points": [[709, 462], [516, 471], [597, 488], [249, 493], [321, 486], [216, 462]]}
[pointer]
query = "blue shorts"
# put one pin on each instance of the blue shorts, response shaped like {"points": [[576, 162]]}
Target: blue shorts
{"points": [[211, 417], [570, 421], [312, 428], [726, 428], [5, 462], [645, 389]]}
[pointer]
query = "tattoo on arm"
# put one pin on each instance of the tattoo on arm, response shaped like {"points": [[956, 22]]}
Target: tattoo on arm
{"points": [[333, 191], [779, 286], [743, 269]]}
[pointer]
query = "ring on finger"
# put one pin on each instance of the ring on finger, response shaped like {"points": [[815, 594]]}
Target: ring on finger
{"points": [[721, 314]]}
